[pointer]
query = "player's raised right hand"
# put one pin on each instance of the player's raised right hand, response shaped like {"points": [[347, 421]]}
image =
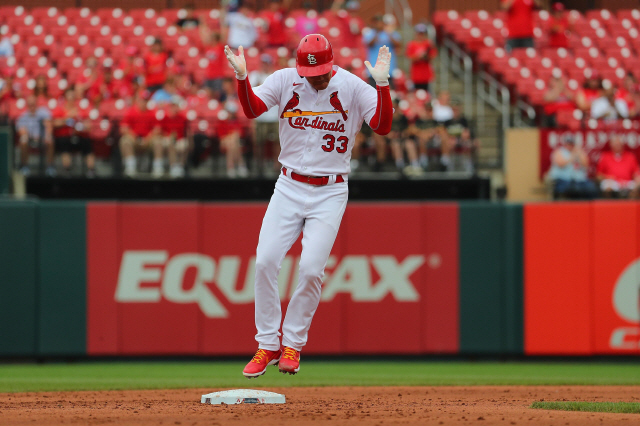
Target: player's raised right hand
{"points": [[237, 62], [380, 72]]}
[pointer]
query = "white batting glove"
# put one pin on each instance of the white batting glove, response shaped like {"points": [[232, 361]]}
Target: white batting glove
{"points": [[238, 63], [380, 72]]}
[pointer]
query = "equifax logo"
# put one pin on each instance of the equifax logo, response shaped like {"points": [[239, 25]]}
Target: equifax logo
{"points": [[148, 276], [626, 303]]}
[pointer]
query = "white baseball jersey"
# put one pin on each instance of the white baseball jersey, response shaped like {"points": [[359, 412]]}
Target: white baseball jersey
{"points": [[318, 128]]}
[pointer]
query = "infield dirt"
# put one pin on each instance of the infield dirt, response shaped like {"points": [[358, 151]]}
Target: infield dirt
{"points": [[481, 405]]}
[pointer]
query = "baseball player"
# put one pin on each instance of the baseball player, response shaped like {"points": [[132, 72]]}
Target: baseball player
{"points": [[321, 109]]}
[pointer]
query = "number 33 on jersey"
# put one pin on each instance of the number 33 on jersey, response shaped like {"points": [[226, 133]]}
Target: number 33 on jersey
{"points": [[317, 128]]}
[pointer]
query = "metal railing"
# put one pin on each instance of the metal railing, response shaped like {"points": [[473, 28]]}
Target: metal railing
{"points": [[490, 91], [454, 59], [404, 16], [524, 114]]}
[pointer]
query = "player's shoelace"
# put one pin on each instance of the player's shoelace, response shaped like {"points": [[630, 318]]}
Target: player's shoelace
{"points": [[260, 356], [289, 353]]}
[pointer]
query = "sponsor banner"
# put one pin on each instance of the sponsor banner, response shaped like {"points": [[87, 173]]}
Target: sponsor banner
{"points": [[592, 141], [616, 278], [582, 275], [179, 279], [557, 279]]}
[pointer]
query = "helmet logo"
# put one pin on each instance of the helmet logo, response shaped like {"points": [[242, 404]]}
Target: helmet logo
{"points": [[312, 59]]}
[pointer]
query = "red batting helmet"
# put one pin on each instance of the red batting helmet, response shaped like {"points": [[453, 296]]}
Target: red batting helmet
{"points": [[314, 56]]}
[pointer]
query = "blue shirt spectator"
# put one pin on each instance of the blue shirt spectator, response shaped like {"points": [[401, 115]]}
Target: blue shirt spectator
{"points": [[569, 172], [379, 36], [33, 121], [6, 48], [242, 31]]}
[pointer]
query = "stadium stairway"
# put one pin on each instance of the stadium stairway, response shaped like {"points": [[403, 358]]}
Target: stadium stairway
{"points": [[490, 153]]}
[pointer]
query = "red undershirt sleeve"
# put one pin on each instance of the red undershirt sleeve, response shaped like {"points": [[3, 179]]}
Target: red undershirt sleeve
{"points": [[252, 105], [381, 121]]}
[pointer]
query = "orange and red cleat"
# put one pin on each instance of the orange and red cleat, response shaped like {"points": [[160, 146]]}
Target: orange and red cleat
{"points": [[258, 365], [290, 361]]}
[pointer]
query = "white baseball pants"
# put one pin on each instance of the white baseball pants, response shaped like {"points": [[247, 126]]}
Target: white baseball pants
{"points": [[295, 207]]}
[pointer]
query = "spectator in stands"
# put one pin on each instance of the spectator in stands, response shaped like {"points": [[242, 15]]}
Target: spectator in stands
{"points": [[442, 147], [421, 52], [559, 27], [107, 87], [466, 146], [618, 171], [362, 139], [190, 20], [463, 143], [400, 143], [266, 125], [568, 171], [241, 30], [352, 23], [132, 67], [228, 90], [6, 87], [458, 122], [167, 94], [274, 23], [607, 107], [140, 130], [519, 22], [442, 109], [628, 92], [422, 130], [34, 130], [173, 140], [590, 90], [229, 131], [6, 47], [217, 64], [70, 130], [41, 89], [87, 77], [307, 23], [155, 63], [381, 34], [558, 97], [196, 96]]}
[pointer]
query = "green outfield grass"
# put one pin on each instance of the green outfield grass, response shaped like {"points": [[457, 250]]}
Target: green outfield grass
{"points": [[158, 375], [599, 407]]}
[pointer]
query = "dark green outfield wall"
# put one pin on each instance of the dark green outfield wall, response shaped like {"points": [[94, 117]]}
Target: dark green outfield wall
{"points": [[491, 316], [42, 278], [43, 270]]}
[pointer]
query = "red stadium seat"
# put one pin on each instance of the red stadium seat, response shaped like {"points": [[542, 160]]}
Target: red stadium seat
{"points": [[6, 12], [113, 109], [106, 13], [99, 130], [141, 15], [16, 108], [73, 13]]}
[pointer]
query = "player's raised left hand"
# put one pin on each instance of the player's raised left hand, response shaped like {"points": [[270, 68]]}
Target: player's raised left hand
{"points": [[380, 72], [237, 62]]}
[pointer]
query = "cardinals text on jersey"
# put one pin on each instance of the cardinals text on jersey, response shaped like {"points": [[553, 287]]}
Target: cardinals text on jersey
{"points": [[318, 128]]}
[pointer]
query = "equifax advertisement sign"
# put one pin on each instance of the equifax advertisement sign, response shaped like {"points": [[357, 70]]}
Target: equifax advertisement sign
{"points": [[179, 279], [352, 275]]}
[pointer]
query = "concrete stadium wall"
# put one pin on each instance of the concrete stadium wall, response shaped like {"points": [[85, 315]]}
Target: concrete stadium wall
{"points": [[522, 165]]}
